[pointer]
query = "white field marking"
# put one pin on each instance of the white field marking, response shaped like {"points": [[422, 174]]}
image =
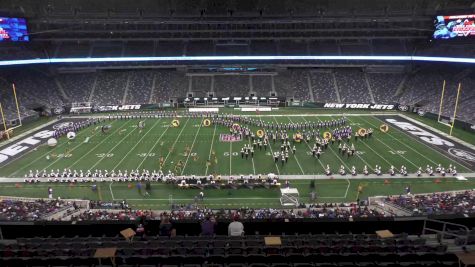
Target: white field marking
{"points": [[375, 113], [252, 158], [136, 144], [96, 146], [434, 149], [210, 150], [405, 158], [110, 188], [174, 143], [151, 149], [230, 156], [362, 159], [215, 199], [319, 161], [405, 144], [338, 156], [383, 158], [5, 143], [270, 146], [191, 149], [38, 158], [112, 149], [347, 188], [453, 138], [296, 159]]}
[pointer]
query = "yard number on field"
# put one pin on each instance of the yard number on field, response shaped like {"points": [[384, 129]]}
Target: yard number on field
{"points": [[397, 152], [144, 155], [105, 155]]}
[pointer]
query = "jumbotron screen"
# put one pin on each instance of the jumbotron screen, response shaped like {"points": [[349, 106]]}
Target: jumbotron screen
{"points": [[455, 26], [13, 30]]}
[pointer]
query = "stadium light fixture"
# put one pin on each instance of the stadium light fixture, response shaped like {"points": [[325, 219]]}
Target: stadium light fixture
{"points": [[232, 58]]}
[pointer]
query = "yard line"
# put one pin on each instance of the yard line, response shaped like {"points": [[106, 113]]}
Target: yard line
{"points": [[191, 149], [367, 164], [348, 187], [151, 149], [383, 158], [405, 158], [270, 146], [338, 156], [296, 159], [176, 140], [210, 150], [96, 146], [252, 158], [112, 149], [424, 145], [110, 188], [38, 158], [99, 194], [136, 144], [323, 167], [230, 156]]}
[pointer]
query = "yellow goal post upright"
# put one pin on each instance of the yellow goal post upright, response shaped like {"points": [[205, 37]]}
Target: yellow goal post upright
{"points": [[4, 122], [455, 108], [449, 123]]}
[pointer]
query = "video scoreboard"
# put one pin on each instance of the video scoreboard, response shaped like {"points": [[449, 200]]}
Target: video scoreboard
{"points": [[13, 30], [454, 27]]}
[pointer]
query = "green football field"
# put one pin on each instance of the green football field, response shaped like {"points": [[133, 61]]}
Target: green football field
{"points": [[125, 147]]}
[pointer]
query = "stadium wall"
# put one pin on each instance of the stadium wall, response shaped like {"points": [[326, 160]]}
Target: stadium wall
{"points": [[410, 225]]}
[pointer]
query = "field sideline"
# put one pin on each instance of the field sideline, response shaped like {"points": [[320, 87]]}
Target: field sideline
{"points": [[125, 147], [163, 195]]}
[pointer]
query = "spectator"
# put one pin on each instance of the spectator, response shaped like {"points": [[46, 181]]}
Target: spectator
{"points": [[140, 231], [166, 227], [208, 225], [236, 228]]}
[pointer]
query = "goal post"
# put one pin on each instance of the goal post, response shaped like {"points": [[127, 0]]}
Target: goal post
{"points": [[449, 123], [7, 130], [455, 108], [441, 101], [17, 106]]}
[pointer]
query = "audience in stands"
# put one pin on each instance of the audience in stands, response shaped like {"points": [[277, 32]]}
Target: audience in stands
{"points": [[166, 227], [236, 228], [15, 210], [458, 203], [437, 203], [208, 226]]}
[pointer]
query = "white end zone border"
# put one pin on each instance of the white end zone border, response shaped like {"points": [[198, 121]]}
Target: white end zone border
{"points": [[453, 138], [26, 133], [265, 115], [257, 109], [203, 110]]}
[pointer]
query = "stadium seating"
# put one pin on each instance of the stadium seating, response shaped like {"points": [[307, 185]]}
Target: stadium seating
{"points": [[384, 86], [139, 87], [352, 86], [18, 210], [251, 250], [423, 88], [323, 87], [437, 203]]}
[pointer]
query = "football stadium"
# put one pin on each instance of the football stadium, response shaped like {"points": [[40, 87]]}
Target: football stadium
{"points": [[237, 133]]}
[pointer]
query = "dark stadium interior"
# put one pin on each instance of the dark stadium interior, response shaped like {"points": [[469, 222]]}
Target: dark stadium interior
{"points": [[327, 52]]}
